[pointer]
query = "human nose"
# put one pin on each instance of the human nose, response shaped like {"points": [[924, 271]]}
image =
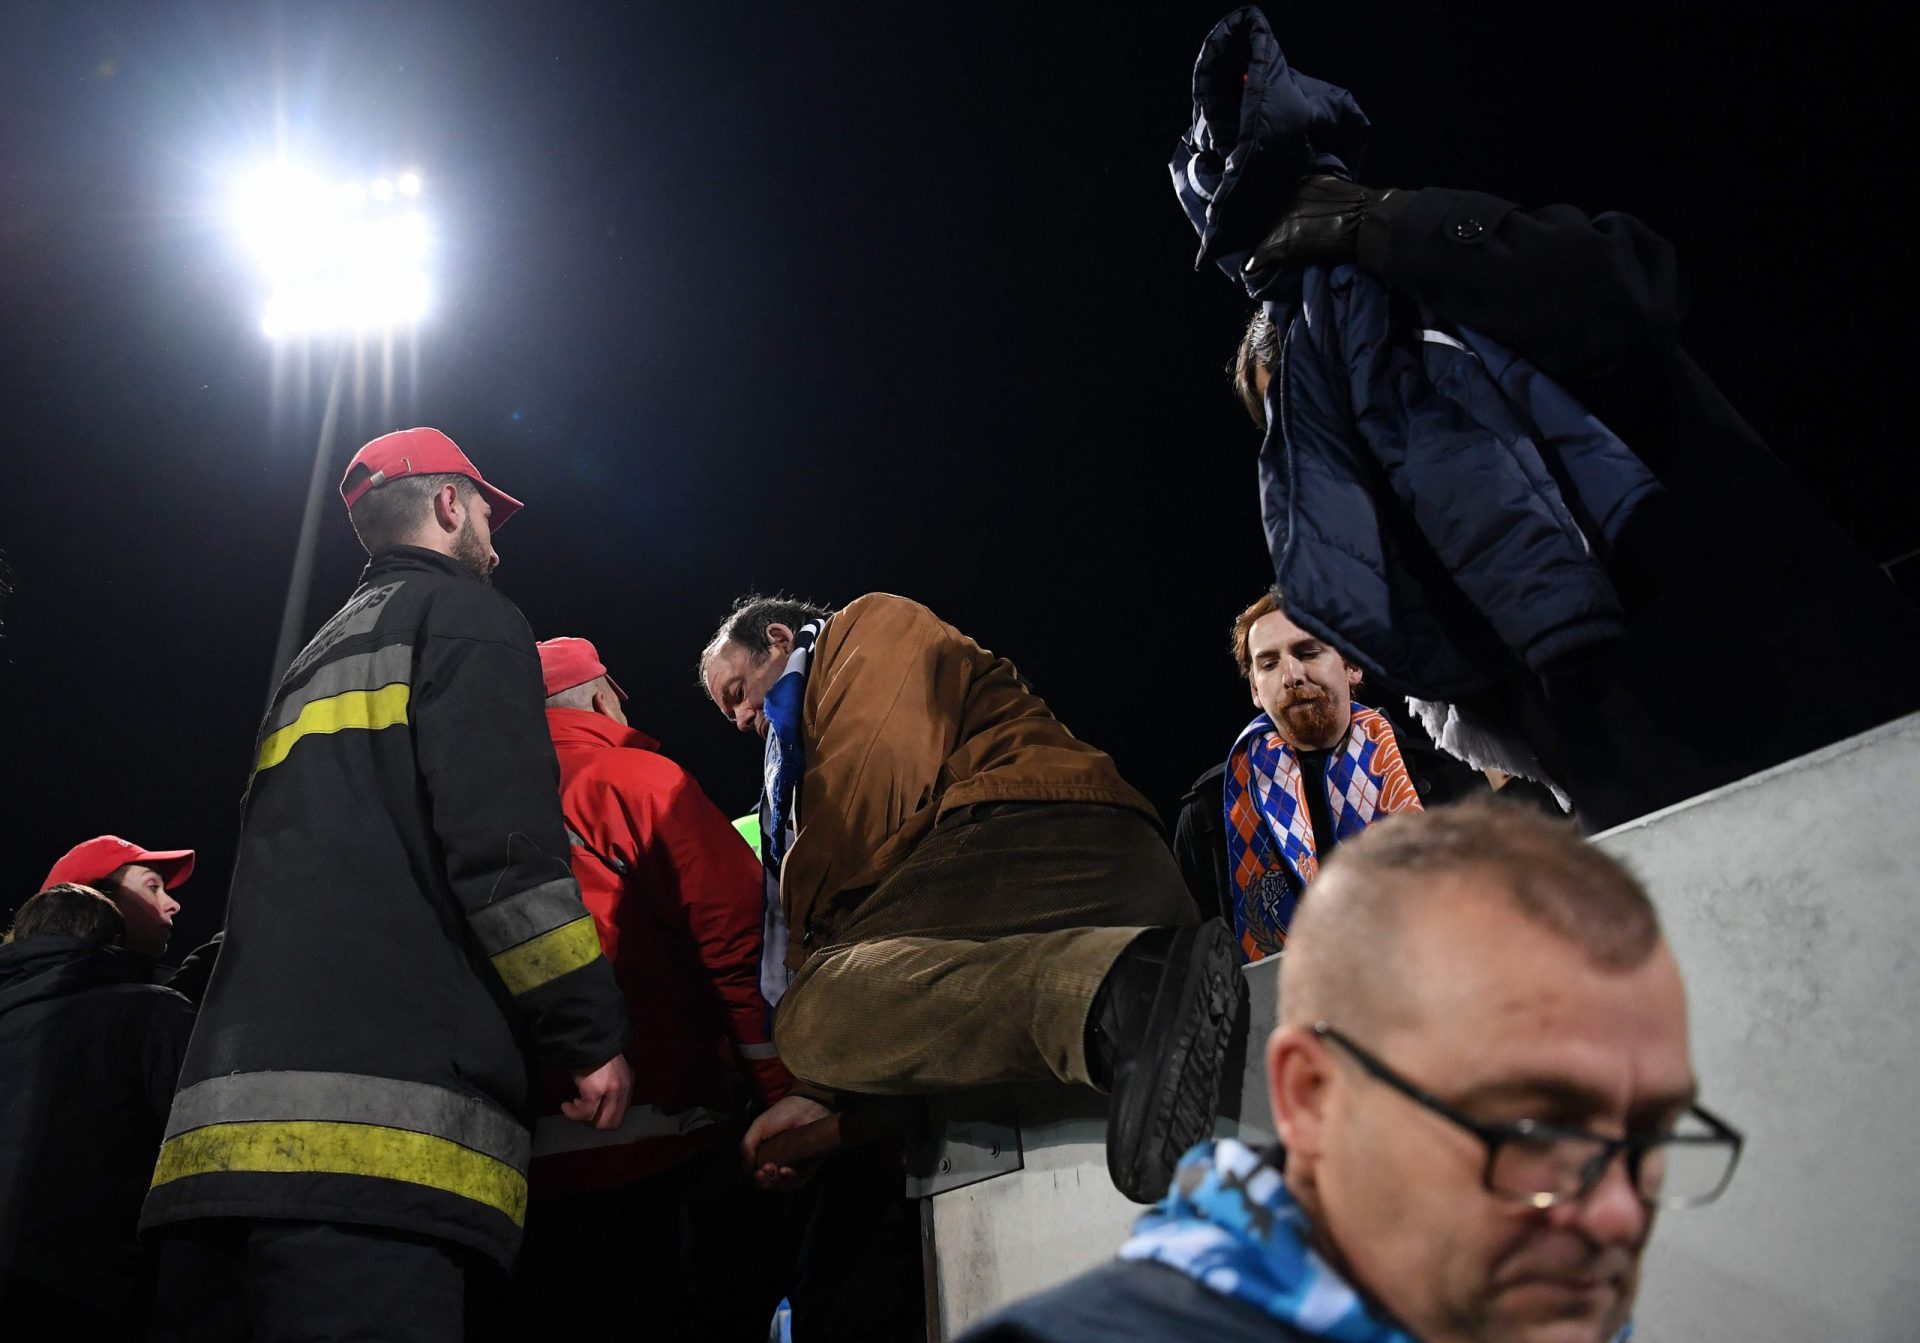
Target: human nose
{"points": [[1293, 671], [1612, 1212], [168, 903]]}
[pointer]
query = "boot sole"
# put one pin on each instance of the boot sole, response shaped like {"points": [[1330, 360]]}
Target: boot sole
{"points": [[1171, 1100]]}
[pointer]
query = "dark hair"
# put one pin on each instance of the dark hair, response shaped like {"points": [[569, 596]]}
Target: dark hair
{"points": [[747, 624], [70, 910], [1259, 349], [386, 515]]}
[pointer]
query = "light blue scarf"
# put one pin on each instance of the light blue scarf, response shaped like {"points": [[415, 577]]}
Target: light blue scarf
{"points": [[1231, 1225], [784, 764]]}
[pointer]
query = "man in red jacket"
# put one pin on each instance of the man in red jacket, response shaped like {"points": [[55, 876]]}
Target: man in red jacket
{"points": [[678, 899]]}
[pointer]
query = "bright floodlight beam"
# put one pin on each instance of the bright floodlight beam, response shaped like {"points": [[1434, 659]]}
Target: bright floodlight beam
{"points": [[336, 258]]}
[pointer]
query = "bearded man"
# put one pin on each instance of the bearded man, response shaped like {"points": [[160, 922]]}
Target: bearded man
{"points": [[1313, 769], [347, 1155]]}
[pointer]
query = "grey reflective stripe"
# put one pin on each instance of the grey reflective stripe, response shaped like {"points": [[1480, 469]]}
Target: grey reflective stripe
{"points": [[358, 616], [766, 1051], [555, 1134], [507, 923], [352, 1098], [392, 665]]}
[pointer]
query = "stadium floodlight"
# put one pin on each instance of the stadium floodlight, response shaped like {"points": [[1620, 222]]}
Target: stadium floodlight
{"points": [[335, 257], [341, 259]]}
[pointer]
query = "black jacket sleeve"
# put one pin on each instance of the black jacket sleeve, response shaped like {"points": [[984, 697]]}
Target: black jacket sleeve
{"points": [[1589, 299], [1200, 845], [493, 789], [168, 1026], [190, 980]]}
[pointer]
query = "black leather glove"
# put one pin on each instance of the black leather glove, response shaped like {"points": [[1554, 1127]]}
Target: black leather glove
{"points": [[1321, 224]]}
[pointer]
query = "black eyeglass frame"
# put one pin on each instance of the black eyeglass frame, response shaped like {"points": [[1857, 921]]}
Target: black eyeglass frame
{"points": [[1495, 1136]]}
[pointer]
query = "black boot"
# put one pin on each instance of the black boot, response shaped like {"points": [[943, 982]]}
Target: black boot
{"points": [[1156, 1036]]}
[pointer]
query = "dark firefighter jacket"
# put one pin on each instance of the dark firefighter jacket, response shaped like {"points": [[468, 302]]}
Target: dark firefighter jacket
{"points": [[402, 928], [89, 1052]]}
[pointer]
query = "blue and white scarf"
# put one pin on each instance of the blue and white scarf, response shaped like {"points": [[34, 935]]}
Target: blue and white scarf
{"points": [[1230, 1223], [785, 762]]}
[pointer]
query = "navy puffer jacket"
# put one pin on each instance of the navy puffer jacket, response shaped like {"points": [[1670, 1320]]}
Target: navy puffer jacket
{"points": [[1436, 506]]}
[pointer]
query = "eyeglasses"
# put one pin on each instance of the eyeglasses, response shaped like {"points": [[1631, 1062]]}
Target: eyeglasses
{"points": [[1543, 1165]]}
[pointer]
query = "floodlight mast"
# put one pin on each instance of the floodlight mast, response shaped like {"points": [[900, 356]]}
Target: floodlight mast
{"points": [[339, 261]]}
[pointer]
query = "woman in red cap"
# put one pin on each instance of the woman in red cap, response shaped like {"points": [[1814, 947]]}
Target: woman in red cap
{"points": [[140, 881]]}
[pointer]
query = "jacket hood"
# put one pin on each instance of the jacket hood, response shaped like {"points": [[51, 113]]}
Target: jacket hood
{"points": [[1258, 127], [45, 967]]}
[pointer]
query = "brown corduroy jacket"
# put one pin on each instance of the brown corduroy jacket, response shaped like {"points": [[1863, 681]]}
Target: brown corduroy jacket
{"points": [[905, 719]]}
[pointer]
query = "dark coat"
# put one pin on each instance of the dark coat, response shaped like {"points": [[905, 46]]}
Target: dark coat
{"points": [[1127, 1301], [1650, 671], [89, 1052], [403, 928], [1435, 506], [1730, 575]]}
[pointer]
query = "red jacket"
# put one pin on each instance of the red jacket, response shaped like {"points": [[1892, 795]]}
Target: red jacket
{"points": [[678, 899]]}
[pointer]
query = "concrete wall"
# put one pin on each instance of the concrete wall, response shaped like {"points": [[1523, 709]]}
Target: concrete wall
{"points": [[1793, 900]]}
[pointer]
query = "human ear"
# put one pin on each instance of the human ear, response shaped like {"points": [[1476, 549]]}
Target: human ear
{"points": [[779, 638], [1353, 677], [1297, 1077], [447, 512]]}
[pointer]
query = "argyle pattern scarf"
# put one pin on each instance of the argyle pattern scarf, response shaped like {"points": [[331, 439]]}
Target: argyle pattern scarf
{"points": [[781, 768], [1270, 845], [1230, 1223]]}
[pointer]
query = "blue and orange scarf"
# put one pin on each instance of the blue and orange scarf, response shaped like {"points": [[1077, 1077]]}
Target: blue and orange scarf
{"points": [[1270, 845]]}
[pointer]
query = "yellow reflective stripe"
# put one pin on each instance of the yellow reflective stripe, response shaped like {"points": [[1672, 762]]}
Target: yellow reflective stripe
{"points": [[369, 709], [352, 1098], [548, 956], [310, 1147]]}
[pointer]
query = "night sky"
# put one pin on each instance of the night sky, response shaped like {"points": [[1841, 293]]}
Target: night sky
{"points": [[829, 299]]}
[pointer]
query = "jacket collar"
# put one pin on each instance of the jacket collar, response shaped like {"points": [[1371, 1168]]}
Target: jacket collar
{"points": [[50, 966], [584, 727], [403, 558]]}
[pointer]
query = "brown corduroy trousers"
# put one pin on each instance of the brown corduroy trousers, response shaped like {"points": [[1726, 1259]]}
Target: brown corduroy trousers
{"points": [[977, 959]]}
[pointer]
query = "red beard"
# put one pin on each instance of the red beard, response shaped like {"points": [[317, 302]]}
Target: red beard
{"points": [[1310, 720]]}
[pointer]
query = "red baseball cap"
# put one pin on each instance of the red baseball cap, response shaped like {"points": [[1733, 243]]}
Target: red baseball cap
{"points": [[566, 663], [100, 857], [418, 452]]}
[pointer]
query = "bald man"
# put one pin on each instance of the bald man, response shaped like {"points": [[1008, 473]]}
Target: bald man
{"points": [[1482, 1081]]}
